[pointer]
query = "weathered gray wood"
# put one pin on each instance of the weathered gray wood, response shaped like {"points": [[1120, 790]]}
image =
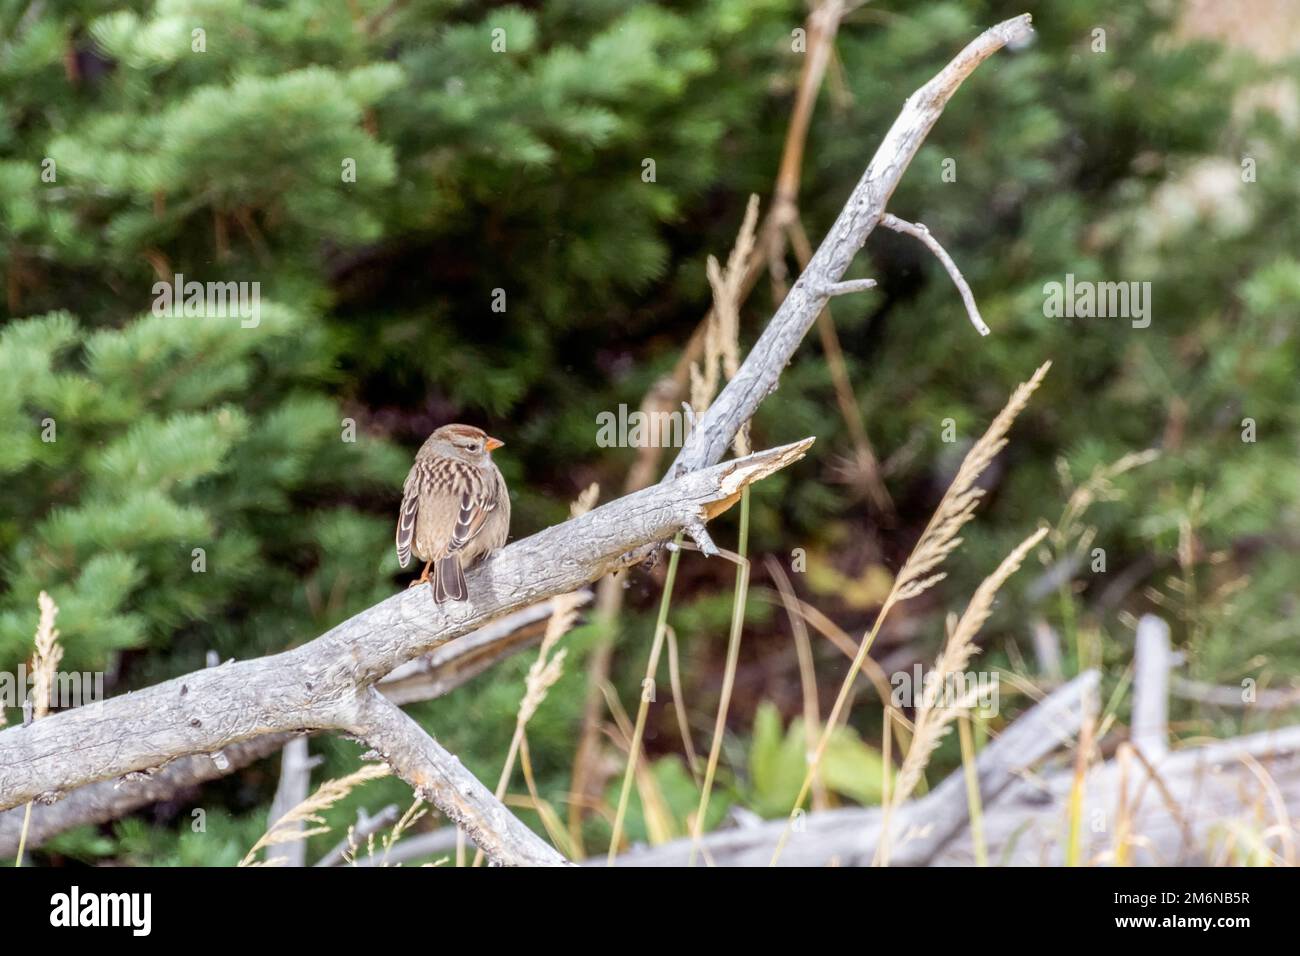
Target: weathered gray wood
{"points": [[921, 828], [328, 683], [296, 763], [1235, 698], [320, 685], [919, 232], [1151, 664], [1047, 649], [449, 666], [1203, 796], [112, 799], [758, 376], [1204, 792], [1046, 728], [438, 777], [439, 672]]}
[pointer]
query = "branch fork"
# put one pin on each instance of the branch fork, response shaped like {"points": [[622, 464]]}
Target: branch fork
{"points": [[329, 683], [917, 231]]}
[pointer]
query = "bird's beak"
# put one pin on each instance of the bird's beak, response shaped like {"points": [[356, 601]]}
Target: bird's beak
{"points": [[494, 443]]}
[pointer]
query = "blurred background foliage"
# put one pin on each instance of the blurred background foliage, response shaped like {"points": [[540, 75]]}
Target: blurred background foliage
{"points": [[1161, 159]]}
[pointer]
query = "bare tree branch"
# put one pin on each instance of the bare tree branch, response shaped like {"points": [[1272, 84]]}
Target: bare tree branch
{"points": [[922, 827], [450, 665], [759, 375], [111, 799], [439, 778], [1269, 698], [328, 684], [1151, 664], [918, 231], [365, 827], [849, 286], [798, 311], [430, 676], [1190, 806], [296, 763], [323, 685]]}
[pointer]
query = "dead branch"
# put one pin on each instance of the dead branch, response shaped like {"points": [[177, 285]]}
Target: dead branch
{"points": [[761, 372], [850, 286], [438, 777], [430, 676], [449, 666], [296, 765], [326, 684], [1186, 809], [329, 683], [359, 835], [1151, 663], [919, 232], [1268, 698], [922, 828], [799, 309]]}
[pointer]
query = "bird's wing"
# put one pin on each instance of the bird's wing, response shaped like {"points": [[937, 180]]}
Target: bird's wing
{"points": [[459, 482], [406, 516], [475, 505]]}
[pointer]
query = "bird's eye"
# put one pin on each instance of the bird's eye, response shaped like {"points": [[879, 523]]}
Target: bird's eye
{"points": [[472, 448]]}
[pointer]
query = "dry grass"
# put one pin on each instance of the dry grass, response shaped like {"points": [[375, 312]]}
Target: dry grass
{"points": [[920, 572], [1071, 537], [542, 675], [45, 663], [1082, 758], [1098, 486], [286, 829], [721, 356], [637, 731], [812, 711], [549, 665], [48, 654], [728, 675], [934, 715], [971, 773], [722, 333], [408, 819], [722, 347], [679, 707], [940, 537]]}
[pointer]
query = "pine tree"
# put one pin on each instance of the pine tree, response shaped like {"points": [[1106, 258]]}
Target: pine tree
{"points": [[500, 214]]}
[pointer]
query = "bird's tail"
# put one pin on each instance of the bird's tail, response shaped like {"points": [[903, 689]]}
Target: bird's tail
{"points": [[448, 580]]}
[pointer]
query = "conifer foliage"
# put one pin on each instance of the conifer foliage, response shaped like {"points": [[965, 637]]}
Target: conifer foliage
{"points": [[500, 213]]}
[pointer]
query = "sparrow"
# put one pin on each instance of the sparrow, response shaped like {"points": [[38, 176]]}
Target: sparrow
{"points": [[455, 508]]}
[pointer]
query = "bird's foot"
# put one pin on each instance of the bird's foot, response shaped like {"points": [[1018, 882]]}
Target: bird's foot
{"points": [[423, 578]]}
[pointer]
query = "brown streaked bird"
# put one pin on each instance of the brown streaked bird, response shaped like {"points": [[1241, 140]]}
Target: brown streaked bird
{"points": [[455, 508]]}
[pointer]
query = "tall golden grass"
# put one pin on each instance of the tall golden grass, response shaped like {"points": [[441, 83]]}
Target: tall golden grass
{"points": [[920, 572]]}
